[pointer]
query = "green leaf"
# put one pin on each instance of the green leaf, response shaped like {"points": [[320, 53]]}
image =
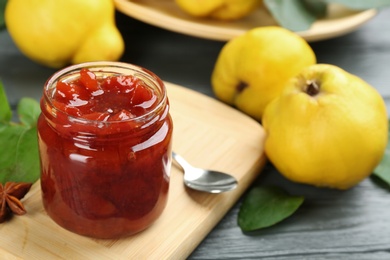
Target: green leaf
{"points": [[5, 109], [2, 9], [382, 171], [299, 15], [318, 8], [357, 4], [265, 206], [28, 111], [292, 14], [19, 160]]}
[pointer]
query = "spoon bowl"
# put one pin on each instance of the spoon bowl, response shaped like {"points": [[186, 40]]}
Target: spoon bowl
{"points": [[205, 180]]}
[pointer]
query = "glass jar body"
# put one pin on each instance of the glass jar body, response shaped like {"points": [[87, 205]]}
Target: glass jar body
{"points": [[105, 180]]}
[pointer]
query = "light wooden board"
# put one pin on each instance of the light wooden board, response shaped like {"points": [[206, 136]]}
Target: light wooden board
{"points": [[208, 134], [166, 14]]}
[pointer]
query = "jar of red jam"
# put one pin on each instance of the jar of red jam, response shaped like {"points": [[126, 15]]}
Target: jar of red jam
{"points": [[105, 148]]}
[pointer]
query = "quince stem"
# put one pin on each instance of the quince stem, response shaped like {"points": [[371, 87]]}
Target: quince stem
{"points": [[312, 88]]}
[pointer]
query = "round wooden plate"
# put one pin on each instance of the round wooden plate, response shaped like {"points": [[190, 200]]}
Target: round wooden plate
{"points": [[166, 14]]}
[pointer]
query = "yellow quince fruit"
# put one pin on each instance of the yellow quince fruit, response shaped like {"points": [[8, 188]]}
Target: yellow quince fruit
{"points": [[219, 9], [62, 32], [329, 128], [252, 69]]}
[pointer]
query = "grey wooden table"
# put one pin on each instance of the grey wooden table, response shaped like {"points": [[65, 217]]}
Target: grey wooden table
{"points": [[331, 224]]}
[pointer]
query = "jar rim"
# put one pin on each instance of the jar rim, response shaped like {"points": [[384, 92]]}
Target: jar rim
{"points": [[100, 66]]}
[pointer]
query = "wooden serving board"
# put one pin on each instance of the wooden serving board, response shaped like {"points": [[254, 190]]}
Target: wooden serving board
{"points": [[208, 134]]}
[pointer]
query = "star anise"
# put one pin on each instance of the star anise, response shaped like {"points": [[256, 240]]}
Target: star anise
{"points": [[10, 195]]}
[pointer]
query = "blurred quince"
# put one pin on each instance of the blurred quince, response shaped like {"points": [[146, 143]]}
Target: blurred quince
{"points": [[62, 32], [219, 9], [253, 68]]}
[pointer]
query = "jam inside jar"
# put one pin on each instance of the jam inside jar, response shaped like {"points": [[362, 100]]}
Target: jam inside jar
{"points": [[105, 148]]}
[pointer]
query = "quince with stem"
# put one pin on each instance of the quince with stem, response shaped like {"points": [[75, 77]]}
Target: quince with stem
{"points": [[328, 128]]}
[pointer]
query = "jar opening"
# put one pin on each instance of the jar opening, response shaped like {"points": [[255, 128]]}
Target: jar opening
{"points": [[104, 70]]}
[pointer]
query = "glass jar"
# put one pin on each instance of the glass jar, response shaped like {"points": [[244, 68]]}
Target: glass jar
{"points": [[99, 178]]}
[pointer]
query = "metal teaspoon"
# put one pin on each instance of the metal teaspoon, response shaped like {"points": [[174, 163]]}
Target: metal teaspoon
{"points": [[205, 180]]}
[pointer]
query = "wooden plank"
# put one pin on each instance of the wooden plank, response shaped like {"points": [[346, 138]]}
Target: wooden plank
{"points": [[208, 134]]}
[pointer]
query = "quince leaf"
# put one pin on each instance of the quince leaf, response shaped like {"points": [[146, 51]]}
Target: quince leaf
{"points": [[299, 15], [318, 8], [2, 9], [294, 15], [19, 157], [356, 4], [382, 171], [5, 109], [265, 206], [28, 111]]}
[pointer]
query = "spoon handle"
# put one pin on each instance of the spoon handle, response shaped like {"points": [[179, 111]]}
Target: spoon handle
{"points": [[180, 160]]}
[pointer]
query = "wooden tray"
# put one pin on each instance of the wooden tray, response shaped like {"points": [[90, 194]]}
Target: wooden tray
{"points": [[207, 133], [166, 14]]}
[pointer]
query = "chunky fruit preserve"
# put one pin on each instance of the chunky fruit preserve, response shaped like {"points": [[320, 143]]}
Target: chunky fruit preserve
{"points": [[105, 147]]}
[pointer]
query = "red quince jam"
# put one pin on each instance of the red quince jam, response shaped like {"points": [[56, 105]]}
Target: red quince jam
{"points": [[105, 144], [113, 98]]}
